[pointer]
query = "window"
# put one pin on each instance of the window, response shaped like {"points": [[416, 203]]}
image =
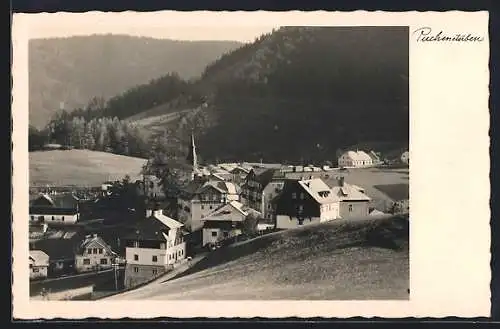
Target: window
{"points": [[214, 233], [104, 261], [62, 218], [226, 234], [32, 217], [31, 265], [136, 257], [89, 251], [53, 218], [136, 269], [94, 251], [350, 207], [302, 196], [86, 261], [155, 271], [294, 195], [35, 270], [100, 250], [202, 207], [301, 208], [155, 259], [40, 218], [210, 206]]}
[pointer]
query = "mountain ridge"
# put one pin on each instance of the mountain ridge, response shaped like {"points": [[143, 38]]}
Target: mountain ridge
{"points": [[73, 70]]}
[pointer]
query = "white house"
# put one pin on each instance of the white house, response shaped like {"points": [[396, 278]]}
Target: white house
{"points": [[305, 202], [352, 159], [39, 264], [155, 246], [55, 209], [225, 222], [94, 253], [353, 200], [405, 157]]}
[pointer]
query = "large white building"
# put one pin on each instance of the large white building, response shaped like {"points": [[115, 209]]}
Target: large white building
{"points": [[352, 159], [156, 245]]}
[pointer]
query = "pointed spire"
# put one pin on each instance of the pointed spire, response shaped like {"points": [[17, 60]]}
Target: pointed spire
{"points": [[192, 157]]}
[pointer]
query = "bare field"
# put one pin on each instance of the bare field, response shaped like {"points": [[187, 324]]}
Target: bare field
{"points": [[80, 167]]}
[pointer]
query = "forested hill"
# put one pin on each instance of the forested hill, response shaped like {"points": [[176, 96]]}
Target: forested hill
{"points": [[296, 94], [303, 93], [74, 70]]}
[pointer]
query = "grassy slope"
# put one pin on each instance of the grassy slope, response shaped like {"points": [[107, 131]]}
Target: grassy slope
{"points": [[342, 260], [80, 167]]}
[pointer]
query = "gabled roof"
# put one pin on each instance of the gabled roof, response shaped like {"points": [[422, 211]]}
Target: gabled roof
{"points": [[170, 223], [358, 155], [236, 205], [264, 176], [94, 239], [60, 246], [148, 229], [63, 201], [39, 257], [318, 190], [223, 186], [349, 192]]}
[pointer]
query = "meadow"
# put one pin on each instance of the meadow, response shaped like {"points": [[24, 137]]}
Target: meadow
{"points": [[80, 167], [341, 260]]}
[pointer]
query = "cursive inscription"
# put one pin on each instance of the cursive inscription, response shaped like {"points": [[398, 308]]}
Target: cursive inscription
{"points": [[424, 34]]}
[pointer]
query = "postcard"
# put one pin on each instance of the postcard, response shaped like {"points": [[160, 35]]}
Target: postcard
{"points": [[250, 164]]}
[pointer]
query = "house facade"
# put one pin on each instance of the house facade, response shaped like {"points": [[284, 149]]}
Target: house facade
{"points": [[94, 254], [61, 246], [202, 198], [38, 264], [354, 203], [156, 246], [55, 209], [254, 188], [225, 222], [355, 159], [304, 202]]}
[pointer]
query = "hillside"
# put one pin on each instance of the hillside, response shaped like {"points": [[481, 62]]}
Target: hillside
{"points": [[74, 70], [341, 260], [299, 94], [80, 167]]}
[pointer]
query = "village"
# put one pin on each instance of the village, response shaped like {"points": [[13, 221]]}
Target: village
{"points": [[88, 244]]}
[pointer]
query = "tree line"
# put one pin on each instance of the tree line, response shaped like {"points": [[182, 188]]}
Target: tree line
{"points": [[99, 134]]}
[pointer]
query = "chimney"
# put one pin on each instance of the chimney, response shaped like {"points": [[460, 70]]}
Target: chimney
{"points": [[341, 181], [94, 235], [149, 212], [158, 212]]}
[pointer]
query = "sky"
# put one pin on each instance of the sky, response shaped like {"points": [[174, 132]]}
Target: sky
{"points": [[143, 24]]}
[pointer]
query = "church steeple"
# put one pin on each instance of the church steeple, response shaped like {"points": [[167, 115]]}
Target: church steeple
{"points": [[192, 157]]}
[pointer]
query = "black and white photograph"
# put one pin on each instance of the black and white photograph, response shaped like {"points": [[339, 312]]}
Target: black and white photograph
{"points": [[212, 163], [274, 168]]}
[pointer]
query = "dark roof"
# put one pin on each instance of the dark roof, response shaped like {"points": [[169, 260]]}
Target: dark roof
{"points": [[265, 176], [148, 229], [221, 224], [191, 188], [63, 246], [62, 201]]}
